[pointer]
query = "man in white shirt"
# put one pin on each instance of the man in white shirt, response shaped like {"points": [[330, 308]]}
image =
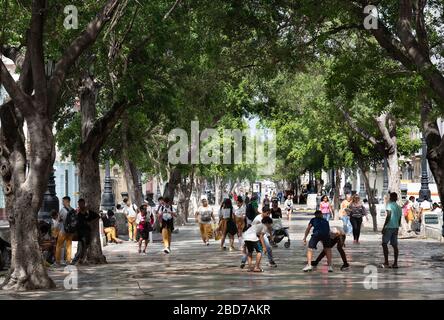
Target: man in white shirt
{"points": [[258, 220], [254, 241], [131, 215]]}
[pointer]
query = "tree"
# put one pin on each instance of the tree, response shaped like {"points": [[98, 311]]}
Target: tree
{"points": [[25, 187]]}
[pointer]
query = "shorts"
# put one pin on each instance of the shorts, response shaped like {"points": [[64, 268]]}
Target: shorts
{"points": [[390, 235], [253, 245], [326, 241], [240, 223]]}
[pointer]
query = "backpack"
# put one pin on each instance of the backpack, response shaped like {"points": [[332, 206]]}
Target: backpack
{"points": [[72, 221], [250, 213]]}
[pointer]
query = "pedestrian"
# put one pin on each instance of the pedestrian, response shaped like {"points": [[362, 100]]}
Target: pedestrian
{"points": [[276, 212], [247, 199], [131, 216], [204, 216], [85, 216], [344, 216], [254, 241], [143, 228], [266, 202], [321, 232], [326, 208], [391, 229], [226, 220], [110, 227], [337, 238], [240, 217], [55, 227], [66, 233], [251, 210], [408, 211], [356, 211], [258, 220], [289, 206], [166, 219]]}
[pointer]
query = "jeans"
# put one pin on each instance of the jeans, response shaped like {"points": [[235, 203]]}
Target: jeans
{"points": [[347, 225], [82, 245], [269, 253], [356, 224], [327, 216]]}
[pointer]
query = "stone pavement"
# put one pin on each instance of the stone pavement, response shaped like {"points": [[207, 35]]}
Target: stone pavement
{"points": [[194, 271]]}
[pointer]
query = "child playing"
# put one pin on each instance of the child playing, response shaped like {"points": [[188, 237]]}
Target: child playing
{"points": [[254, 240], [321, 232], [143, 229], [337, 237]]}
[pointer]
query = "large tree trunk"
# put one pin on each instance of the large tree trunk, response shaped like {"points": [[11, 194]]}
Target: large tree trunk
{"points": [[90, 190], [393, 171], [89, 169], [171, 185], [24, 195], [370, 195], [185, 190]]}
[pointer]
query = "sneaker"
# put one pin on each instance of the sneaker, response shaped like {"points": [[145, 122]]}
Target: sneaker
{"points": [[140, 251], [307, 268], [208, 243], [166, 250], [223, 248], [242, 265], [314, 263], [330, 269], [232, 248], [345, 266], [272, 264]]}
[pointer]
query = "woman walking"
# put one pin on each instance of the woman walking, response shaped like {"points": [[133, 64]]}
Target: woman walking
{"points": [[226, 220], [240, 216], [344, 216], [356, 211], [326, 208], [204, 215]]}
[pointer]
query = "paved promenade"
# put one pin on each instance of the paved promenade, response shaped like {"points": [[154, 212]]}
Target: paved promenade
{"points": [[194, 271]]}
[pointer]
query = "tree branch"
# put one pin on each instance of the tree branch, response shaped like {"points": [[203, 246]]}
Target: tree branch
{"points": [[363, 133], [103, 127], [77, 47], [36, 56]]}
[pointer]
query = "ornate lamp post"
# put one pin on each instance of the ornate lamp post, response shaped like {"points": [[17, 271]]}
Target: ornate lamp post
{"points": [[50, 200], [108, 199], [424, 193]]}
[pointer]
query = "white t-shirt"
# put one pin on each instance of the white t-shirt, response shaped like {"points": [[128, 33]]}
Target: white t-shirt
{"points": [[130, 211], [253, 233], [257, 220], [240, 211], [205, 214], [167, 212], [225, 213], [289, 203]]}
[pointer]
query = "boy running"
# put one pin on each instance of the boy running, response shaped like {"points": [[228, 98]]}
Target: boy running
{"points": [[321, 232]]}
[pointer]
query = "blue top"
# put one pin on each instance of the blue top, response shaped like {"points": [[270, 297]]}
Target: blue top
{"points": [[321, 227], [395, 216]]}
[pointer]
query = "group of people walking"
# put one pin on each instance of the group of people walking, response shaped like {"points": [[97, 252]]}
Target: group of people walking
{"points": [[255, 231]]}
